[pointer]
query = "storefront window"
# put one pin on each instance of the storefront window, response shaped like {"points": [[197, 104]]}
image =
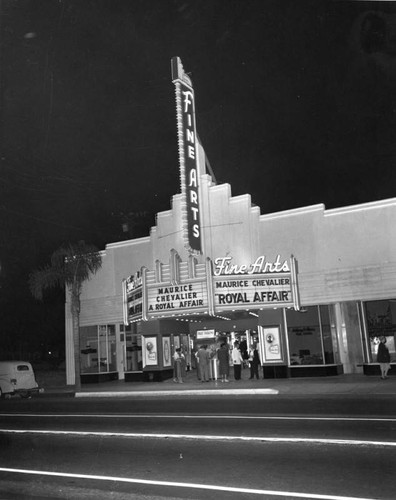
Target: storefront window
{"points": [[112, 348], [381, 321], [310, 336], [98, 349], [133, 348], [328, 341]]}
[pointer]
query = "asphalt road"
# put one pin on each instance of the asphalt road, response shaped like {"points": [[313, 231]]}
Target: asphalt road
{"points": [[234, 448]]}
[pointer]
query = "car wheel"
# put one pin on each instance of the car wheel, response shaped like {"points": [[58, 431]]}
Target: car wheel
{"points": [[24, 394]]}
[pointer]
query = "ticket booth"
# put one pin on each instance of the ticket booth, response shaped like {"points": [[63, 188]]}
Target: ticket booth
{"points": [[207, 338]]}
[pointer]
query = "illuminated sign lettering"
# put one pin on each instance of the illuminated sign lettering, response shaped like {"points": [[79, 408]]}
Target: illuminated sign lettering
{"points": [[205, 334], [134, 282], [260, 285], [187, 139], [133, 302], [254, 291], [223, 266], [168, 299], [252, 286]]}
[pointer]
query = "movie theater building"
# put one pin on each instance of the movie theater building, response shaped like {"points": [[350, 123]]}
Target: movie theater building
{"points": [[315, 288]]}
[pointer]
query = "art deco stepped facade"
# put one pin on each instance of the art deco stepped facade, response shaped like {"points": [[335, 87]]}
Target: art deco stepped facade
{"points": [[342, 291]]}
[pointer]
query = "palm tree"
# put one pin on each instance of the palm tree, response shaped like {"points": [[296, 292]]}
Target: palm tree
{"points": [[70, 266]]}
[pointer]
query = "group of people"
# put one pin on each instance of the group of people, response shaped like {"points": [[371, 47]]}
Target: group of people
{"points": [[225, 358], [238, 361], [235, 358]]}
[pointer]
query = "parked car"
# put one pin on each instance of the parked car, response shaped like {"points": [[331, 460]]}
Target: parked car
{"points": [[17, 377]]}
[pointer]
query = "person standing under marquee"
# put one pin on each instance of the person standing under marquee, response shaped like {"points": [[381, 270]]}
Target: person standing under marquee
{"points": [[254, 361], [223, 356], [179, 365], [383, 358], [203, 357], [237, 361]]}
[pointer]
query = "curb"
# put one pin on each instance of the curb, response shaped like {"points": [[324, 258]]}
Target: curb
{"points": [[188, 392], [55, 394]]}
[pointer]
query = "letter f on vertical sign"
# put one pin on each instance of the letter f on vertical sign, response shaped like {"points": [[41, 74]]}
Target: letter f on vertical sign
{"points": [[187, 99]]}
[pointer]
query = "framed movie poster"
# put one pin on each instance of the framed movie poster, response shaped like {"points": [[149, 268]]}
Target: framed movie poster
{"points": [[166, 352], [150, 351], [270, 344]]}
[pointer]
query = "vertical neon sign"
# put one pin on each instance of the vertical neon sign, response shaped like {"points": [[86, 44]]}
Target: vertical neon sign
{"points": [[187, 141]]}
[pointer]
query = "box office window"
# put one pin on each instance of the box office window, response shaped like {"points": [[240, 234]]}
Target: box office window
{"points": [[380, 317], [98, 349], [310, 336]]}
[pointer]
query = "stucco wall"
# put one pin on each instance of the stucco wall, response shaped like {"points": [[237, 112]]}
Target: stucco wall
{"points": [[342, 254], [101, 298], [231, 225]]}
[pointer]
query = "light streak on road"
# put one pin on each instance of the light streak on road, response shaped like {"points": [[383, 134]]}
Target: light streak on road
{"points": [[203, 437], [210, 487], [201, 417]]}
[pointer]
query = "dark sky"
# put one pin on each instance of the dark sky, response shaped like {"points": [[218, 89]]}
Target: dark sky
{"points": [[296, 105]]}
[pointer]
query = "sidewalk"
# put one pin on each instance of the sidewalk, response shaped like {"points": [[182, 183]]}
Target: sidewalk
{"points": [[339, 385]]}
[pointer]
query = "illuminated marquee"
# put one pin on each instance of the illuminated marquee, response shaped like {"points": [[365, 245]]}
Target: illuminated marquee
{"points": [[255, 286], [256, 291], [187, 140], [132, 289], [189, 288], [165, 300], [178, 288]]}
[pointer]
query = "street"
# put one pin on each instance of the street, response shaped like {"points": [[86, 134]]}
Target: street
{"points": [[197, 448]]}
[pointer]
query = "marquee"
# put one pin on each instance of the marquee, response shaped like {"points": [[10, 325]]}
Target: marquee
{"points": [[187, 288]]}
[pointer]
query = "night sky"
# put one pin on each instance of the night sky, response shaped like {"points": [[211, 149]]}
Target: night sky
{"points": [[296, 105]]}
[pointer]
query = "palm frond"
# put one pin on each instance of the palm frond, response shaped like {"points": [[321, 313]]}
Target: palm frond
{"points": [[43, 279], [71, 265]]}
